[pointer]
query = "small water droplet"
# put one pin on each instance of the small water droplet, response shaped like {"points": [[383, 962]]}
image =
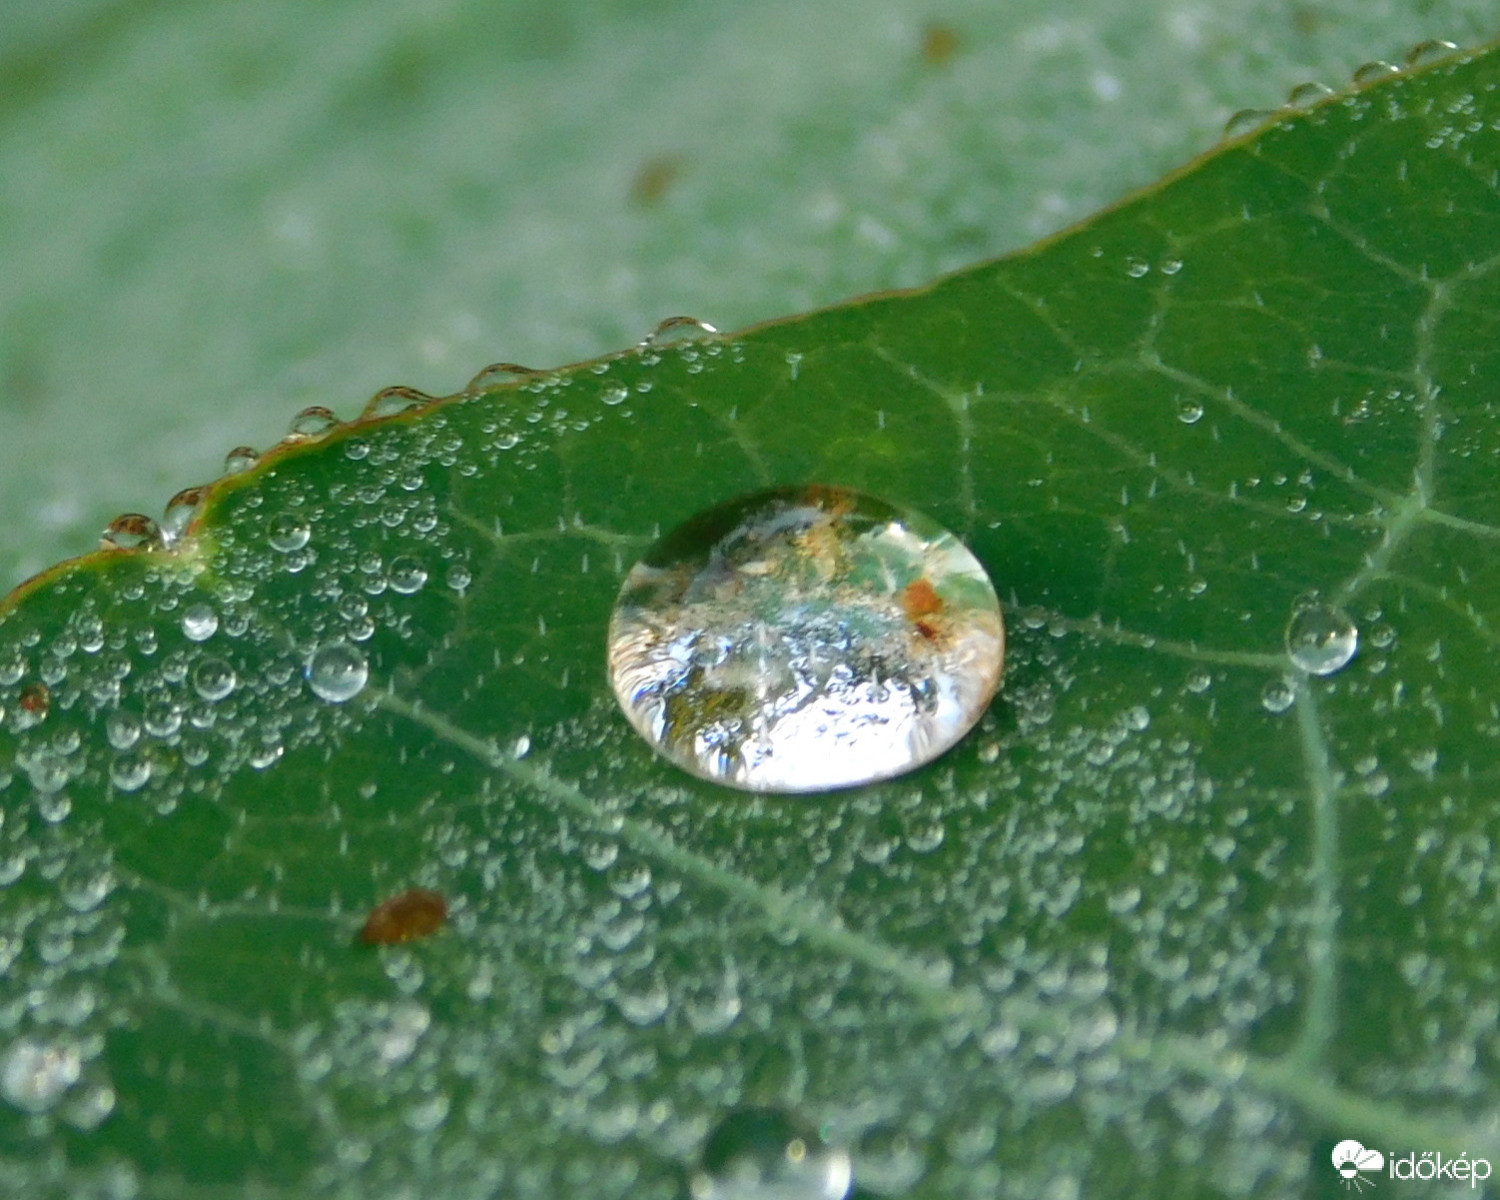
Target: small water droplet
{"points": [[1320, 638], [1246, 121], [241, 458], [459, 577], [1277, 696], [675, 331], [199, 622], [806, 638], [123, 729], [336, 672], [214, 679], [129, 772], [1305, 95], [388, 402], [314, 421], [53, 807], [616, 394], [1198, 681], [407, 575], [1431, 51], [1137, 268], [1370, 72], [1189, 411], [288, 532], [131, 531], [763, 1154], [498, 375], [35, 1074], [180, 510]]}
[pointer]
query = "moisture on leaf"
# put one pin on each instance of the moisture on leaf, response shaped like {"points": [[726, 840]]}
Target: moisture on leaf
{"points": [[1205, 893]]}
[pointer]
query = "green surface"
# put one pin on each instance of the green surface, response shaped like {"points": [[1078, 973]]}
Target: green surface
{"points": [[212, 217], [1150, 931]]}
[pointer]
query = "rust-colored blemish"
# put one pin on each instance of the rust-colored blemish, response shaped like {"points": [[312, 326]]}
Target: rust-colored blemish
{"points": [[415, 913]]}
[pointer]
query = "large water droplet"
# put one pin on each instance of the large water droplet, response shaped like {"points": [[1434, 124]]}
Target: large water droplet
{"points": [[312, 422], [390, 401], [180, 511], [498, 375], [1320, 638], [762, 1154], [1371, 72], [677, 330], [1434, 50], [241, 458], [407, 575], [336, 672], [805, 638]]}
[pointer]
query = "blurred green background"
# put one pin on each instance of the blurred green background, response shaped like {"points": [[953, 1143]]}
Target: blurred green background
{"points": [[212, 215]]}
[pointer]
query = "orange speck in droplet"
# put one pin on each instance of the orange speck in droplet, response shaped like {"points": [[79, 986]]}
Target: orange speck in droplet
{"points": [[920, 599], [412, 914], [35, 699]]}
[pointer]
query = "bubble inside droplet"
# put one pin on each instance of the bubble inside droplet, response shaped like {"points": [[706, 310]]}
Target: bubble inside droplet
{"points": [[1320, 638], [805, 638], [336, 672], [762, 1154]]}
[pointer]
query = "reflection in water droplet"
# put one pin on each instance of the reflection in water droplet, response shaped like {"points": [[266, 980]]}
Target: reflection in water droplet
{"points": [[199, 623], [213, 679], [311, 422], [1277, 696], [1320, 638], [288, 532], [677, 330], [336, 672], [241, 458], [762, 1154], [131, 531], [805, 638]]}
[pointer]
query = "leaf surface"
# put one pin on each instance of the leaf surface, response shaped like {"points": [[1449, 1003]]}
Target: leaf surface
{"points": [[1178, 917]]}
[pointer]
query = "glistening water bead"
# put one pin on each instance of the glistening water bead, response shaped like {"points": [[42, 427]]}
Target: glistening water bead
{"points": [[805, 638]]}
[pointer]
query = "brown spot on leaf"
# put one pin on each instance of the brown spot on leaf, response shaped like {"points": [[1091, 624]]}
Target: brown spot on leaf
{"points": [[415, 913]]}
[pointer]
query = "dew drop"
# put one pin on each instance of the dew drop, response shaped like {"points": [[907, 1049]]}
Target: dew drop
{"points": [[129, 772], [1305, 95], [214, 679], [1189, 412], [180, 511], [35, 1074], [314, 421], [675, 331], [805, 638], [123, 729], [412, 914], [199, 622], [407, 575], [762, 1154], [1277, 696], [241, 458], [336, 672], [388, 402], [131, 531], [616, 394], [497, 375], [1247, 120], [459, 577], [1320, 638], [1434, 50], [288, 532], [1137, 268], [1369, 72]]}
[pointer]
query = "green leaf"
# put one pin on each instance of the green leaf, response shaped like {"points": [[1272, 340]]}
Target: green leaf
{"points": [[209, 221], [1175, 920]]}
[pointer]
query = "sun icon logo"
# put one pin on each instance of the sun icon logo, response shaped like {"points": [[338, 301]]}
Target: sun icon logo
{"points": [[1351, 1160]]}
